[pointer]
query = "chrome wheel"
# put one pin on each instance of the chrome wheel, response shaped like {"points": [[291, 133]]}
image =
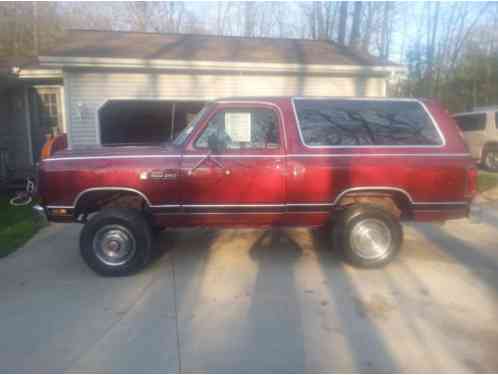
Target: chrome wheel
{"points": [[114, 245], [371, 239], [492, 160]]}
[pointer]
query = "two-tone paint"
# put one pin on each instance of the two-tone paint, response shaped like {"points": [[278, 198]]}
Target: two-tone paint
{"points": [[292, 185]]}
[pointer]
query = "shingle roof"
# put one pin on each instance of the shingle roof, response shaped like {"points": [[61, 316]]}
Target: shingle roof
{"points": [[154, 46]]}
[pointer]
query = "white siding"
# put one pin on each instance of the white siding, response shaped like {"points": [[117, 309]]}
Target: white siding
{"points": [[87, 91]]}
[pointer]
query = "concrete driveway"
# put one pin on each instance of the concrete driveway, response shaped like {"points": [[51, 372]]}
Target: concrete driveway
{"points": [[252, 300]]}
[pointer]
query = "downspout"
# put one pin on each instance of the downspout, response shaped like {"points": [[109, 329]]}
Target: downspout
{"points": [[173, 107], [27, 114]]}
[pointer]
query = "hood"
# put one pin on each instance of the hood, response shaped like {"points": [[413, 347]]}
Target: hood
{"points": [[92, 151]]}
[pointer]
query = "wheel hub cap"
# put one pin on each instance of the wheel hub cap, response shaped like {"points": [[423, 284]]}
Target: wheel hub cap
{"points": [[114, 245], [371, 239]]}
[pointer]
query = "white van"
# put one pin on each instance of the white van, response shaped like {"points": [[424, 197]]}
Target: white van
{"points": [[480, 130]]}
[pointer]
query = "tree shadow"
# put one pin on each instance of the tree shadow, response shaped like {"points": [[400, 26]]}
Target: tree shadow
{"points": [[366, 342], [255, 316], [163, 243], [489, 216], [482, 265], [275, 339]]}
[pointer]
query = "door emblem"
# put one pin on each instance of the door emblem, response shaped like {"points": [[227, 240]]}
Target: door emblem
{"points": [[157, 175]]}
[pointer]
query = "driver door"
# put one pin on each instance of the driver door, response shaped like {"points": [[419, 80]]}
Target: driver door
{"points": [[242, 181]]}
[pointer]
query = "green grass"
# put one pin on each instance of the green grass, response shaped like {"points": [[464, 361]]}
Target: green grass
{"points": [[486, 180], [17, 225]]}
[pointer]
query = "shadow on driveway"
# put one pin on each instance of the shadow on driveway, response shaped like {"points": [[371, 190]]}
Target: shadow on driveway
{"points": [[253, 300]]}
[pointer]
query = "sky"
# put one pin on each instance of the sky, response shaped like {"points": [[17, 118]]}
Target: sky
{"points": [[405, 33]]}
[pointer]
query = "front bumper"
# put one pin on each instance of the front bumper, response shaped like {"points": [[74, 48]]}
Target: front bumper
{"points": [[40, 212]]}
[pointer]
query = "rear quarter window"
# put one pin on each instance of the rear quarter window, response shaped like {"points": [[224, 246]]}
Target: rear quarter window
{"points": [[471, 122], [343, 123]]}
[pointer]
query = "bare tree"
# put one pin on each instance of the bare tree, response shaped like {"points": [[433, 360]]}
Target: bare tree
{"points": [[432, 33], [355, 27], [138, 15], [249, 18], [367, 31], [223, 12], [385, 41], [343, 19]]}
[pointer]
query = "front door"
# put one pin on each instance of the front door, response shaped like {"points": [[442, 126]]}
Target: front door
{"points": [[243, 181], [47, 115]]}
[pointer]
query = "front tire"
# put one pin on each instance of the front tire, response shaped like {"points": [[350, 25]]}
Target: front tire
{"points": [[116, 242], [368, 236]]}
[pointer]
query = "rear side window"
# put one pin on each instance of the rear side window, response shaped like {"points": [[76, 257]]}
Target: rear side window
{"points": [[365, 123], [472, 122]]}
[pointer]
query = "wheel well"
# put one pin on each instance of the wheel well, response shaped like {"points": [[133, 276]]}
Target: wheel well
{"points": [[93, 201], [395, 202], [490, 145], [487, 146]]}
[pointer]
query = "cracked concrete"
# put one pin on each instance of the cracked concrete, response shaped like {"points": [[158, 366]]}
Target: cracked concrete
{"points": [[250, 300]]}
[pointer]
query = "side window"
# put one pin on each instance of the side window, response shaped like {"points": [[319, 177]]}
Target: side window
{"points": [[471, 122], [365, 123], [496, 120], [242, 129]]}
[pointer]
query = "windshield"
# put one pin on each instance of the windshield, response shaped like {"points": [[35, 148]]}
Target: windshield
{"points": [[182, 136]]}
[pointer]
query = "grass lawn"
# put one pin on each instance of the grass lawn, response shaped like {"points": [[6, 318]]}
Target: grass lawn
{"points": [[17, 225], [486, 180]]}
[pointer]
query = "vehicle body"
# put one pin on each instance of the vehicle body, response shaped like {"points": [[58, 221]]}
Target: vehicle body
{"points": [[480, 130], [286, 170]]}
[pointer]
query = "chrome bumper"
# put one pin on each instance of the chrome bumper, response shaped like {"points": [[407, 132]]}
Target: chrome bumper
{"points": [[40, 212]]}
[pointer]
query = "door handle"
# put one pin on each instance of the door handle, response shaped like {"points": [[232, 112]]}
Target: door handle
{"points": [[280, 166], [298, 170], [205, 158]]}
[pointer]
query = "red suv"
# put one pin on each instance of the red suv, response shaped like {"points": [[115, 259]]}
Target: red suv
{"points": [[359, 166]]}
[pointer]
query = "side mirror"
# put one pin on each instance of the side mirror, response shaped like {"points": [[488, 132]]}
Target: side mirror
{"points": [[215, 145]]}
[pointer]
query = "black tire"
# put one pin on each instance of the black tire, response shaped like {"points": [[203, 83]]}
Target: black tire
{"points": [[125, 227], [383, 222], [490, 159]]}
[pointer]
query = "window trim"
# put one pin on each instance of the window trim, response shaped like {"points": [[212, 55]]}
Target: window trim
{"points": [[422, 104], [241, 106], [58, 90]]}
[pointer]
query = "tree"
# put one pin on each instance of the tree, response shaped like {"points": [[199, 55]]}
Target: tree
{"points": [[343, 19], [355, 28]]}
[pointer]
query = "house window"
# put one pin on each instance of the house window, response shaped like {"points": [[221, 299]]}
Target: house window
{"points": [[50, 108]]}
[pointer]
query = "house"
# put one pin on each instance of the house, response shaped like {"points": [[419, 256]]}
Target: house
{"points": [[106, 87], [30, 108]]}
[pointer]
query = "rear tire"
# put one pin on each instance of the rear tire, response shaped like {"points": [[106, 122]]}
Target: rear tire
{"points": [[490, 160], [116, 242], [368, 236]]}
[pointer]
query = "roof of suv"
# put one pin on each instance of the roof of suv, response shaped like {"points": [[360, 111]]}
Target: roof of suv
{"points": [[370, 98]]}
